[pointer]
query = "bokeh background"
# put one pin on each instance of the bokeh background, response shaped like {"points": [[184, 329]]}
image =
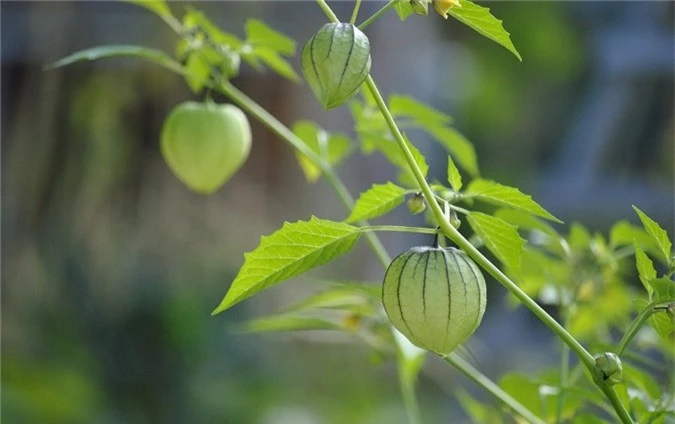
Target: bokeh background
{"points": [[111, 267]]}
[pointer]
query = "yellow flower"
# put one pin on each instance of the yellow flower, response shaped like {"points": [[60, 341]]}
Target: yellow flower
{"points": [[442, 6]]}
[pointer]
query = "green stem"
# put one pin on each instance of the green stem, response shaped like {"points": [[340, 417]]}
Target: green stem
{"points": [[616, 403], [412, 408], [327, 10], [637, 324], [376, 15], [564, 366], [478, 378], [399, 228], [355, 13], [451, 232]]}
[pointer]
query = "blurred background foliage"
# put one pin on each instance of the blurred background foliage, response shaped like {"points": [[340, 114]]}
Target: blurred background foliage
{"points": [[111, 267]]}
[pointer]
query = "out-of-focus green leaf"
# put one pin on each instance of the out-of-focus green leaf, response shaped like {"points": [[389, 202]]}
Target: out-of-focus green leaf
{"points": [[158, 7], [659, 321], [458, 146], [477, 411], [403, 9], [539, 397], [289, 252], [589, 418], [341, 297], [194, 18], [332, 148], [501, 195], [155, 56], [480, 19], [287, 322], [377, 201], [645, 269], [659, 235], [454, 177], [501, 238], [277, 63], [664, 289], [579, 238], [624, 233], [260, 35], [423, 115]]}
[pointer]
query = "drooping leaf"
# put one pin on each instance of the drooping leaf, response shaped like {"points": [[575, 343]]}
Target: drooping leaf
{"points": [[407, 107], [645, 269], [458, 146], [289, 252], [524, 220], [454, 177], [158, 7], [155, 56], [260, 35], [377, 201], [332, 148], [480, 19], [287, 322], [659, 235], [495, 193], [500, 237]]}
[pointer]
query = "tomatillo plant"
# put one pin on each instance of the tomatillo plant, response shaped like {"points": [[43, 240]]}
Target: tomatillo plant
{"points": [[431, 297]]}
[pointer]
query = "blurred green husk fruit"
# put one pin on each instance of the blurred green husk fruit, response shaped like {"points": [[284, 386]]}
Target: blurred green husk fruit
{"points": [[435, 296], [205, 144]]}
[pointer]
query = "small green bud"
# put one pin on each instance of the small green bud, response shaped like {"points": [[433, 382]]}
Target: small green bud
{"points": [[608, 369], [670, 310], [454, 219], [420, 7], [416, 203]]}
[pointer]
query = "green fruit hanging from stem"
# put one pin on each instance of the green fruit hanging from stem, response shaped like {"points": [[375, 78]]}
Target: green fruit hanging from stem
{"points": [[205, 144], [435, 296]]}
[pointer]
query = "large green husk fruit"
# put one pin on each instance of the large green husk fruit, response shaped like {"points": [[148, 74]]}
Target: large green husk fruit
{"points": [[336, 61], [434, 296], [204, 144]]}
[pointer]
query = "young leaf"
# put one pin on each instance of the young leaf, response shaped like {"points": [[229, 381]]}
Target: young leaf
{"points": [[495, 193], [454, 178], [406, 106], [659, 235], [500, 237], [377, 201], [260, 35], [275, 62], [456, 144], [480, 19], [287, 323], [403, 9], [645, 269], [289, 252], [155, 56], [332, 148]]}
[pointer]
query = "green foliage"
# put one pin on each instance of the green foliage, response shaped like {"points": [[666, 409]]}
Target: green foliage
{"points": [[95, 53], [659, 235], [377, 201], [492, 192], [289, 252], [454, 178], [332, 148], [500, 237]]}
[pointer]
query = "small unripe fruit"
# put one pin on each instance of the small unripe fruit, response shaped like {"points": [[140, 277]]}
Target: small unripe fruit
{"points": [[608, 369], [434, 296], [204, 144], [336, 61], [416, 203]]}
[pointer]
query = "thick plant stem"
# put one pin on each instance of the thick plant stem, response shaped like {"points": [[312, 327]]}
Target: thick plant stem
{"points": [[451, 232], [478, 378], [616, 403], [355, 13]]}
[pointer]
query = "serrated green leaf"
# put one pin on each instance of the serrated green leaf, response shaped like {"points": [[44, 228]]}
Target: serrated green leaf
{"points": [[158, 7], [292, 250], [406, 107], [454, 177], [458, 146], [403, 9], [664, 289], [500, 237], [659, 321], [645, 269], [377, 201], [276, 63], [260, 35], [659, 235], [524, 220], [332, 148], [287, 323], [501, 195], [155, 56], [480, 19]]}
